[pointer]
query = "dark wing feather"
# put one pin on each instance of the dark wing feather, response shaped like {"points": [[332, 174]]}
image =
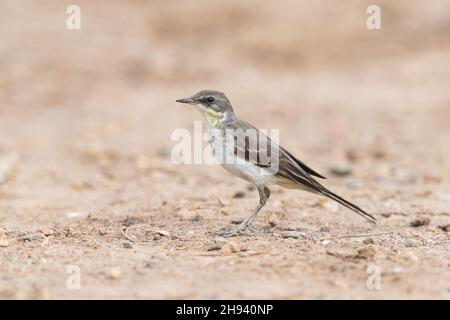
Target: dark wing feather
{"points": [[303, 166], [260, 151]]}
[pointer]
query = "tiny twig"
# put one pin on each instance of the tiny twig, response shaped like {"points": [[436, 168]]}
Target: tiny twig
{"points": [[357, 235], [124, 233], [241, 254]]}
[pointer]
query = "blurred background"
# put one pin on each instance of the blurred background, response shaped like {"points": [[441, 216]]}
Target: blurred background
{"points": [[335, 89], [86, 115]]}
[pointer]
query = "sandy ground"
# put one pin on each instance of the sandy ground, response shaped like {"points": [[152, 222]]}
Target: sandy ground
{"points": [[86, 177]]}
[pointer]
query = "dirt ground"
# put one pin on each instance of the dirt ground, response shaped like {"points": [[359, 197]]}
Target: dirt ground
{"points": [[86, 177]]}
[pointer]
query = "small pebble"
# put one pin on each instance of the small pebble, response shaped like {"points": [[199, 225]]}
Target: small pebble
{"points": [[197, 218], [368, 241], [397, 269], [80, 185], [354, 184], [163, 152], [412, 256], [74, 214], [312, 235], [422, 221], [343, 253], [339, 283], [32, 237], [214, 247], [239, 194], [115, 273], [340, 171], [230, 247], [4, 243], [273, 220], [325, 229], [291, 234], [218, 243], [220, 240], [366, 253], [351, 155], [127, 244], [151, 263], [48, 232], [411, 243], [163, 233]]}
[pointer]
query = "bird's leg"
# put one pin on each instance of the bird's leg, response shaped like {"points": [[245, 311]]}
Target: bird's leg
{"points": [[264, 194]]}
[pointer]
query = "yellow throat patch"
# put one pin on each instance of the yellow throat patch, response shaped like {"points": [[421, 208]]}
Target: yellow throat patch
{"points": [[212, 117]]}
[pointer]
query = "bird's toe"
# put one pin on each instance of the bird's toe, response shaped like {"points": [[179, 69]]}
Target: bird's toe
{"points": [[228, 232]]}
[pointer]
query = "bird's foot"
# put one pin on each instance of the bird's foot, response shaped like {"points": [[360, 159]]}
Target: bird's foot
{"points": [[229, 232], [259, 231], [240, 230]]}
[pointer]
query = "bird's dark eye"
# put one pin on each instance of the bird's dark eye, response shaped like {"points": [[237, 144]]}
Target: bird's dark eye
{"points": [[210, 99]]}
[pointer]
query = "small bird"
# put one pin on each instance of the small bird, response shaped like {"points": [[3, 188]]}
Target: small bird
{"points": [[255, 157]]}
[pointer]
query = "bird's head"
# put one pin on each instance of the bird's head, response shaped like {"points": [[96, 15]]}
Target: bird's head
{"points": [[214, 105]]}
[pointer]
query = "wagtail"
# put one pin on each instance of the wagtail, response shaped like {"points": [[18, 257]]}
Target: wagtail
{"points": [[252, 156]]}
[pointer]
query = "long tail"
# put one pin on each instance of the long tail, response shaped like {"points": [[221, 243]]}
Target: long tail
{"points": [[347, 204]]}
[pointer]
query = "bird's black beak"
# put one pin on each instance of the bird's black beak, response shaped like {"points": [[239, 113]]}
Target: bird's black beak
{"points": [[186, 100]]}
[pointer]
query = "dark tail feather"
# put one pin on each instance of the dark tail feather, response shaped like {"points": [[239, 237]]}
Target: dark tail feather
{"points": [[348, 204]]}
